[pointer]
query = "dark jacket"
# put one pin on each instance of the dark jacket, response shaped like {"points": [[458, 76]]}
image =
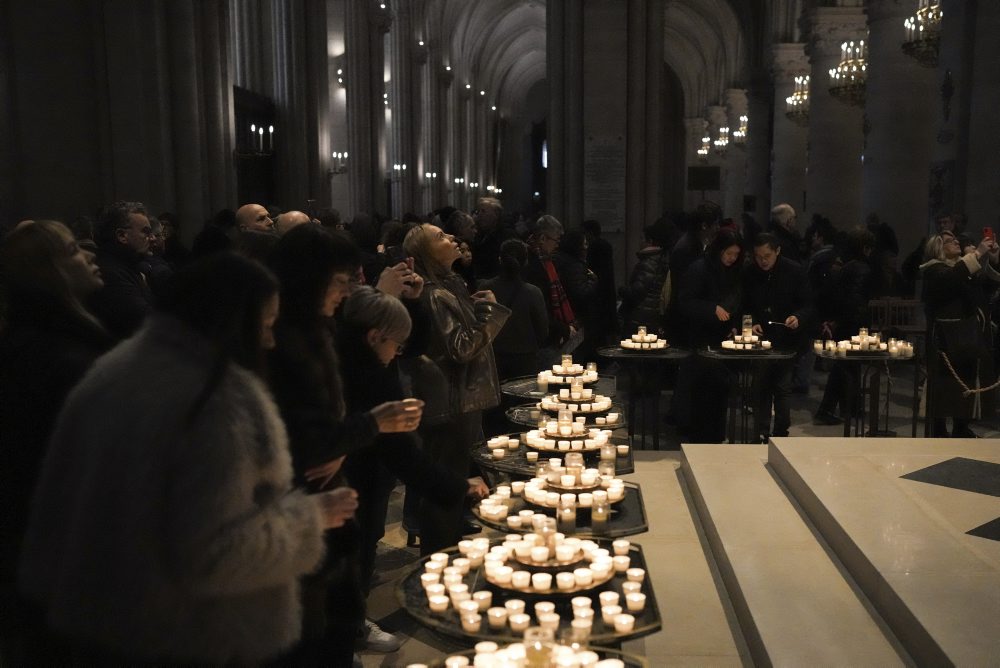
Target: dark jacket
{"points": [[600, 259], [790, 241], [851, 291], [486, 251], [775, 295], [707, 285], [45, 350], [459, 351], [641, 297], [528, 324], [535, 274], [579, 283], [125, 300], [820, 272], [305, 378], [367, 383]]}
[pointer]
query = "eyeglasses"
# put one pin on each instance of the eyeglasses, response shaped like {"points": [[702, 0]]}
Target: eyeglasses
{"points": [[400, 347]]}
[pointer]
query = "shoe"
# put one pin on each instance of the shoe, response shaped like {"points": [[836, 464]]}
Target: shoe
{"points": [[378, 640], [470, 528], [826, 417]]}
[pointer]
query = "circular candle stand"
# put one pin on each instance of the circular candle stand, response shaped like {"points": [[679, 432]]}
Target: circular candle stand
{"points": [[515, 461]]}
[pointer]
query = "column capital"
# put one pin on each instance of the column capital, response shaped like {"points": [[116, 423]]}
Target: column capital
{"points": [[736, 101], [881, 10], [829, 27], [788, 60], [717, 116], [695, 126]]}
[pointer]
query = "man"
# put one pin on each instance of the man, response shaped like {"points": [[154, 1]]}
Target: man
{"points": [[253, 218], [489, 235], [783, 227], [123, 234], [287, 221], [776, 294]]}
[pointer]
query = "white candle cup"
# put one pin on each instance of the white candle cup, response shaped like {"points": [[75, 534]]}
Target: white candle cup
{"points": [[608, 598], [565, 581], [564, 393], [449, 579], [609, 612], [475, 558], [433, 567], [564, 552], [581, 602], [435, 590], [612, 418], [540, 554], [588, 479], [499, 453], [635, 602], [456, 662], [583, 576], [531, 456], [623, 623], [523, 549], [621, 547], [635, 574], [622, 450], [520, 579], [541, 581], [549, 620], [630, 587], [462, 564], [472, 623], [484, 599], [438, 603], [519, 622], [616, 493], [621, 563], [585, 500], [766, 345], [584, 613], [469, 607], [513, 443], [460, 597], [567, 480], [514, 606], [497, 617], [503, 574], [513, 521], [457, 588], [486, 647], [600, 420], [427, 579]]}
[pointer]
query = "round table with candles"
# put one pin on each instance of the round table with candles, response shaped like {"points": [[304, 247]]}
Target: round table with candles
{"points": [[510, 455]]}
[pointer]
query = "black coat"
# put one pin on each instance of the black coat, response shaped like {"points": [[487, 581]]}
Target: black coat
{"points": [[852, 287], [707, 285], [579, 283], [775, 295], [790, 241], [125, 300], [44, 351], [535, 274], [641, 296], [367, 383]]}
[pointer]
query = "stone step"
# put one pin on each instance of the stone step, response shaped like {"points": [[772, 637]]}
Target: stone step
{"points": [[795, 604], [906, 541]]}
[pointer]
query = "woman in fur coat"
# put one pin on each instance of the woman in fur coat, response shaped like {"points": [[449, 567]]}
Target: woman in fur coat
{"points": [[164, 528]]}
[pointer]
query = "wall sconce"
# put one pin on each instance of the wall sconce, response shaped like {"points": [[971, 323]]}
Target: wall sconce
{"points": [[460, 181], [385, 99], [474, 184], [340, 76], [741, 133], [722, 143], [260, 141], [706, 145], [339, 165]]}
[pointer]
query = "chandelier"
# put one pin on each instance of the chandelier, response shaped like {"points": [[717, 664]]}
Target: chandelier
{"points": [[706, 145], [923, 33], [740, 134], [797, 104], [847, 80], [722, 143]]}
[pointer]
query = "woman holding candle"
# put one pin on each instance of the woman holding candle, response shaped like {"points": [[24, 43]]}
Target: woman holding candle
{"points": [[463, 328], [959, 351], [709, 300]]}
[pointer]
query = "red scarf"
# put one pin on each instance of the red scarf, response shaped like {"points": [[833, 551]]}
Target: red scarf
{"points": [[561, 308]]}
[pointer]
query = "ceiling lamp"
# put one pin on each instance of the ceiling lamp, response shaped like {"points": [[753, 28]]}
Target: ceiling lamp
{"points": [[797, 104], [847, 80], [923, 33]]}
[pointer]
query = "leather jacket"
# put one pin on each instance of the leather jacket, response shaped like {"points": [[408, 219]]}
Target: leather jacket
{"points": [[458, 373]]}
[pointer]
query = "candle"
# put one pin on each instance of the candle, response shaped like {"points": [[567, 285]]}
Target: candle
{"points": [[499, 453], [521, 579], [471, 623], [514, 606], [609, 612], [540, 554], [635, 602], [427, 579], [503, 574], [565, 580], [583, 576], [543, 607], [621, 563], [630, 587], [484, 599], [565, 552], [621, 546], [435, 590], [541, 581], [581, 602], [623, 623], [622, 450], [567, 480], [469, 607], [586, 614], [608, 598], [497, 617], [635, 574], [462, 564], [549, 620], [438, 603], [519, 622], [456, 662]]}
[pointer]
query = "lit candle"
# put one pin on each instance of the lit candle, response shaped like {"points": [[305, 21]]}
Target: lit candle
{"points": [[609, 612], [438, 603], [621, 563], [635, 602], [541, 581], [497, 617], [635, 574], [624, 623], [484, 599]]}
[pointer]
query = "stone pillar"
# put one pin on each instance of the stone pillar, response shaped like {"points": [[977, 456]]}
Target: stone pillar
{"points": [[402, 102], [365, 112], [833, 180], [736, 157], [340, 191], [982, 197], [717, 118], [788, 152], [899, 142], [565, 65], [695, 129], [758, 147]]}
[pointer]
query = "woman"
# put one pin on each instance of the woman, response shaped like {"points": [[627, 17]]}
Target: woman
{"points": [[460, 380], [49, 341], [581, 288], [517, 345], [372, 333], [315, 267], [642, 297], [956, 295], [164, 528], [709, 301]]}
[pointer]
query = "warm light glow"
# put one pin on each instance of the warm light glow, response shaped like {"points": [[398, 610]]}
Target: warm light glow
{"points": [[494, 107]]}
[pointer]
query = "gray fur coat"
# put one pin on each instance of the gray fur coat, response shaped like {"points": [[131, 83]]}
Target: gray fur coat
{"points": [[161, 542]]}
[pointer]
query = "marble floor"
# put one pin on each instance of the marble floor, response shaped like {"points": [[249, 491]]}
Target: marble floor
{"points": [[700, 623]]}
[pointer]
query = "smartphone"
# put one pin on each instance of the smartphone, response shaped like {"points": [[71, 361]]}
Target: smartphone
{"points": [[987, 233], [394, 255]]}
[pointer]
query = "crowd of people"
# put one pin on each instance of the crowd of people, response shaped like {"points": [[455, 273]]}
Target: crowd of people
{"points": [[200, 444]]}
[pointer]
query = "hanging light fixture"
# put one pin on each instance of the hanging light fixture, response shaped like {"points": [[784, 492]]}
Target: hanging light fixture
{"points": [[797, 104], [740, 134], [923, 33], [847, 80]]}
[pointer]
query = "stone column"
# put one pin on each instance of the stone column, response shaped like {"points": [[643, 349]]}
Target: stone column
{"points": [[565, 64], [717, 118], [982, 197], [758, 146], [833, 180], [736, 157], [404, 111], [789, 149], [899, 140], [340, 190], [695, 129]]}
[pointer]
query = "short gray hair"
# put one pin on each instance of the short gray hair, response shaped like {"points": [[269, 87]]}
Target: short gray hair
{"points": [[782, 214], [368, 308], [549, 226]]}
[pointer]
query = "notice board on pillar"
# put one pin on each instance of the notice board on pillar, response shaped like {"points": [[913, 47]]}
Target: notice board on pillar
{"points": [[604, 181], [704, 177]]}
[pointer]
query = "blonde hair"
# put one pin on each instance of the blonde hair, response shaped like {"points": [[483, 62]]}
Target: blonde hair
{"points": [[417, 244], [934, 248]]}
